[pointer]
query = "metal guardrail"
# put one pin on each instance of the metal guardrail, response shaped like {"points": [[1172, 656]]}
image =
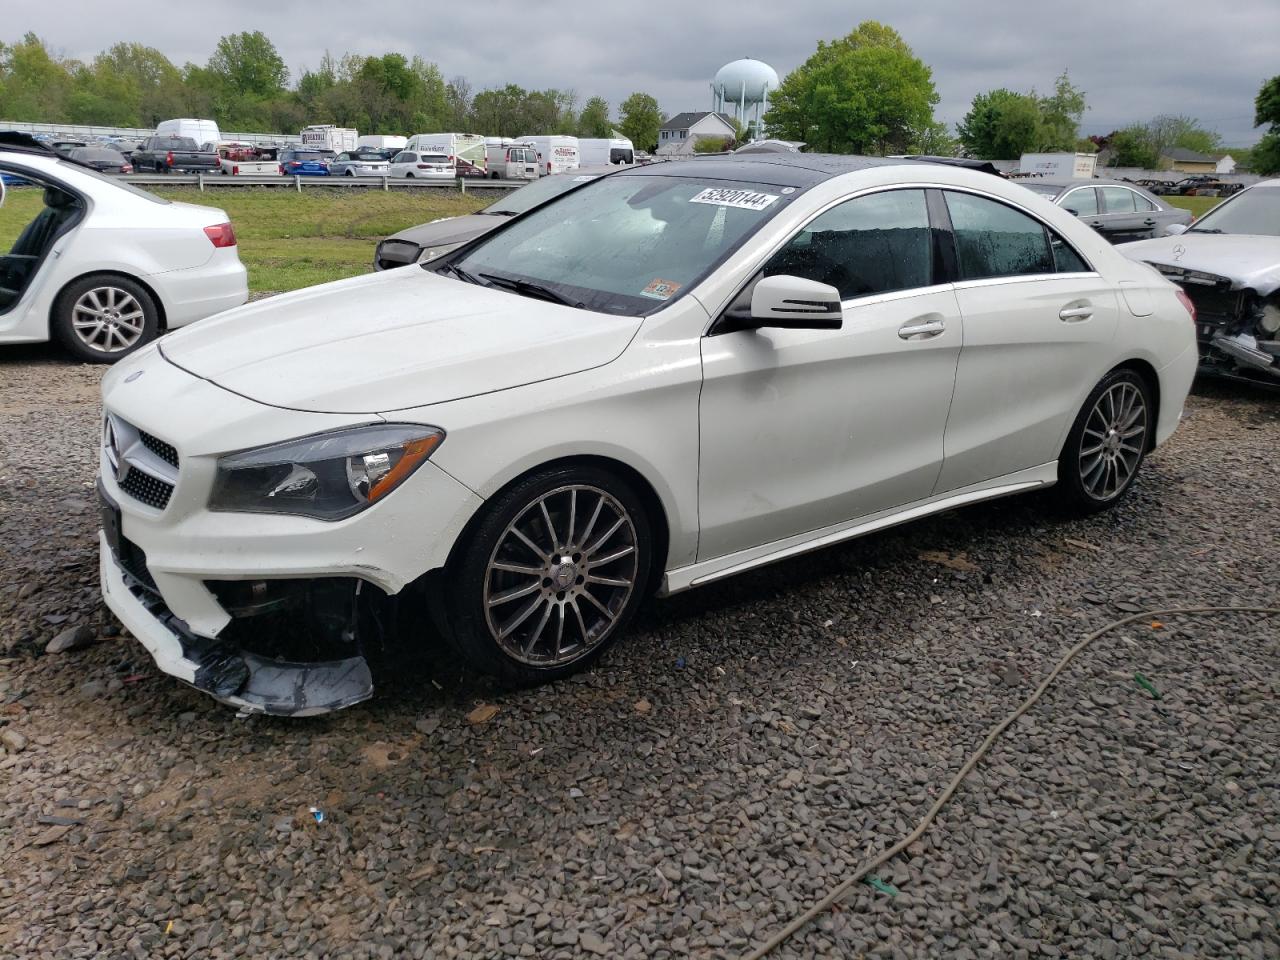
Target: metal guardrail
{"points": [[202, 180]]}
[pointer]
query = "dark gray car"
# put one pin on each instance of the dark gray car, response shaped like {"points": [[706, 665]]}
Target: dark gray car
{"points": [[428, 240], [1121, 212]]}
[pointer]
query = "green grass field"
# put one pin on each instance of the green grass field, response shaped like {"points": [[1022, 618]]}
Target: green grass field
{"points": [[290, 240]]}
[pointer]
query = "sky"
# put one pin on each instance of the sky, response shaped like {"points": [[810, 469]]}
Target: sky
{"points": [[1133, 60]]}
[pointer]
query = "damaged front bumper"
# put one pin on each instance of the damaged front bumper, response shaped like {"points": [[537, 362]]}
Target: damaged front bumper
{"points": [[1238, 329], [235, 676]]}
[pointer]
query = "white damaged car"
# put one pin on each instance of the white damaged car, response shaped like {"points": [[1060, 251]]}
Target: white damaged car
{"points": [[1229, 265], [662, 378]]}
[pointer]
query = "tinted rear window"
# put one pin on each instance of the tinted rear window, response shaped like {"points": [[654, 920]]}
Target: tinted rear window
{"points": [[174, 143]]}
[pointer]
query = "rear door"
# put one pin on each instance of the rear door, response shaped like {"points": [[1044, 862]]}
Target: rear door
{"points": [[1038, 322]]}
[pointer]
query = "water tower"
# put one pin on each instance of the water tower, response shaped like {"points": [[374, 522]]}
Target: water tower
{"points": [[741, 89]]}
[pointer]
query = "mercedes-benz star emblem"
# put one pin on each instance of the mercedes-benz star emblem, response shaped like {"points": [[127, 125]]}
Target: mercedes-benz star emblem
{"points": [[1178, 251]]}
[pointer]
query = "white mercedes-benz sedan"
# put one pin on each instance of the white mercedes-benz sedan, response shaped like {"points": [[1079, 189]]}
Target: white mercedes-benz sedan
{"points": [[661, 378]]}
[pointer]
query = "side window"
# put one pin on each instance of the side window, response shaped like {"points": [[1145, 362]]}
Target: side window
{"points": [[1065, 258], [1118, 199], [1084, 201], [873, 244], [1144, 205], [993, 240]]}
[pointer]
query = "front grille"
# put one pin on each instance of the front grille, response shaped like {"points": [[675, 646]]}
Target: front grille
{"points": [[145, 467], [150, 490], [165, 451]]}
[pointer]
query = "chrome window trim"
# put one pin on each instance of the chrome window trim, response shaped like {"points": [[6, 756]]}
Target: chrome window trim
{"points": [[1024, 278]]}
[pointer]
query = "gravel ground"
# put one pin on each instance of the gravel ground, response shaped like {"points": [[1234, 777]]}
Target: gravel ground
{"points": [[716, 773]]}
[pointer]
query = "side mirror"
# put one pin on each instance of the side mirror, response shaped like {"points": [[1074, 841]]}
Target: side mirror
{"points": [[1174, 229], [795, 303]]}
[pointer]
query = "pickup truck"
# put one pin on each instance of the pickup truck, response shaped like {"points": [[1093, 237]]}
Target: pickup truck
{"points": [[243, 160], [165, 154]]}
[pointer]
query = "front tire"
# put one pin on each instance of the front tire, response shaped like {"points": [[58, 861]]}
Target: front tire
{"points": [[104, 317], [1107, 443], [550, 576]]}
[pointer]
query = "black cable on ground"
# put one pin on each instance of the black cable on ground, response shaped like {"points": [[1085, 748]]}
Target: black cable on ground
{"points": [[845, 885]]}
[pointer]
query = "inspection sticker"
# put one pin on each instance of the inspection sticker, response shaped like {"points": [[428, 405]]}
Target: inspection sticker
{"points": [[727, 197], [660, 289]]}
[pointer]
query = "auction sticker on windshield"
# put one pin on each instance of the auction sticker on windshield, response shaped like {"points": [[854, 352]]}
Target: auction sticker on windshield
{"points": [[660, 289], [728, 197]]}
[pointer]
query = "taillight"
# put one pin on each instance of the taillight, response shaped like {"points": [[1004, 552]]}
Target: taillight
{"points": [[126, 168], [235, 169], [221, 235], [1186, 302], [168, 159]]}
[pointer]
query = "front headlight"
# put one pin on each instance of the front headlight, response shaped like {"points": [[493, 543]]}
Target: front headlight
{"points": [[329, 476]]}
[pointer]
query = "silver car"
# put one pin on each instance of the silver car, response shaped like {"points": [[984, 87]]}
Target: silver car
{"points": [[359, 163], [1229, 266], [1121, 212]]}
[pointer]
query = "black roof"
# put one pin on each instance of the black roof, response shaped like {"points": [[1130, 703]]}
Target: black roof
{"points": [[683, 121], [779, 169]]}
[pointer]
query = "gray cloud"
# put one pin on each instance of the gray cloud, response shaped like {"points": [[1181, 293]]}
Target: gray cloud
{"points": [[1134, 60]]}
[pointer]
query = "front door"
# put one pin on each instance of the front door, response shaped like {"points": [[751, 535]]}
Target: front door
{"points": [[1122, 221], [802, 429]]}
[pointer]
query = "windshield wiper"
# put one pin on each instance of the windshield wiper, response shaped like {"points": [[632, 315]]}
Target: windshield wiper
{"points": [[530, 289], [461, 274]]}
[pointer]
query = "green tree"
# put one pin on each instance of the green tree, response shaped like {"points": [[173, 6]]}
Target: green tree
{"points": [[36, 87], [863, 93], [1132, 147], [1060, 116], [639, 120], [1264, 158], [1169, 130], [593, 121], [1002, 125], [157, 81], [249, 65], [713, 144]]}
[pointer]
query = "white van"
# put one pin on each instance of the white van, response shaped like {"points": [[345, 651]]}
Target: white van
{"points": [[325, 136], [201, 131], [508, 159], [600, 151], [466, 151], [381, 142], [555, 154]]}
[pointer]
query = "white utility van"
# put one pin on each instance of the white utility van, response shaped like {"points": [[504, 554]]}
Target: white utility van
{"points": [[382, 143], [555, 154], [599, 151], [509, 159], [464, 150], [325, 136], [201, 131]]}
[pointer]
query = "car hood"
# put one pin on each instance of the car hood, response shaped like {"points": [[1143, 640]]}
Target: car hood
{"points": [[1252, 262], [450, 230], [393, 340]]}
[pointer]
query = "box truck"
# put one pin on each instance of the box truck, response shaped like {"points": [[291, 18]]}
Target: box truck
{"points": [[466, 151], [1072, 166], [325, 136], [601, 151], [555, 154]]}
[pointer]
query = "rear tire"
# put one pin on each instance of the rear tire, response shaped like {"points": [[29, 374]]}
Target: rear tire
{"points": [[1107, 444], [550, 576], [104, 317]]}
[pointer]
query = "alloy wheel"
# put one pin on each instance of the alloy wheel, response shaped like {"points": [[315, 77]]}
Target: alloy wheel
{"points": [[1113, 441], [108, 319], [561, 575]]}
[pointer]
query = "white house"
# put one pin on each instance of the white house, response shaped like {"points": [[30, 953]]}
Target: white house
{"points": [[1226, 164], [677, 136]]}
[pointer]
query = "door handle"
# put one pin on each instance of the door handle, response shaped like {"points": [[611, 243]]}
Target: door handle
{"points": [[922, 329], [1149, 223], [1075, 314]]}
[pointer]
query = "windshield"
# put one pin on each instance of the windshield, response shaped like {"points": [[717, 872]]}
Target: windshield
{"points": [[1255, 211], [624, 244], [542, 189]]}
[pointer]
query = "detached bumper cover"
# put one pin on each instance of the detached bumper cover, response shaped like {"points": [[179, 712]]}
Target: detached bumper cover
{"points": [[235, 677]]}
